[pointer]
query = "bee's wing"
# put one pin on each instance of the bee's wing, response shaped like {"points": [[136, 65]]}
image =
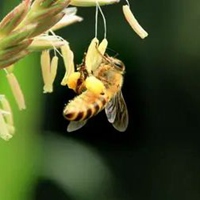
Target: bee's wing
{"points": [[111, 110], [75, 125], [117, 113]]}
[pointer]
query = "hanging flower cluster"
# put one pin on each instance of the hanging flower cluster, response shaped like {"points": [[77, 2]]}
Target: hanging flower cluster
{"points": [[28, 28]]}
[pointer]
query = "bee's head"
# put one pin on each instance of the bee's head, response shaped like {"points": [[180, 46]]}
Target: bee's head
{"points": [[118, 64]]}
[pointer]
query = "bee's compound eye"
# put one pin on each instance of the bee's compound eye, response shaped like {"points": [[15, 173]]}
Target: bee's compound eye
{"points": [[119, 65]]}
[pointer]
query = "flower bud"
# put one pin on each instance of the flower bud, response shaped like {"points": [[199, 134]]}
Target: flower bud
{"points": [[70, 17], [12, 60], [13, 19], [45, 42], [87, 3]]}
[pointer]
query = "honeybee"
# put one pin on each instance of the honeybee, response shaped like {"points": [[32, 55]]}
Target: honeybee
{"points": [[89, 103]]}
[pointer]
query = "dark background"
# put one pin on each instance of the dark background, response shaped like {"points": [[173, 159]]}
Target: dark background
{"points": [[158, 157]]}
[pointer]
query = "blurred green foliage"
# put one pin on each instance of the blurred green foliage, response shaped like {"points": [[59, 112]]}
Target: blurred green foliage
{"points": [[20, 156]]}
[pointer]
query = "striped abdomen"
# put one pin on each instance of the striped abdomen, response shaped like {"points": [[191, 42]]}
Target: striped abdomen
{"points": [[84, 106]]}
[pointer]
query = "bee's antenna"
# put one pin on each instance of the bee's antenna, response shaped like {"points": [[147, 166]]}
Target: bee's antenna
{"points": [[112, 50], [106, 57]]}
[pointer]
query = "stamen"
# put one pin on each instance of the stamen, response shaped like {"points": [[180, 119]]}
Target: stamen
{"points": [[7, 110], [68, 58], [16, 90], [133, 22], [4, 132]]}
